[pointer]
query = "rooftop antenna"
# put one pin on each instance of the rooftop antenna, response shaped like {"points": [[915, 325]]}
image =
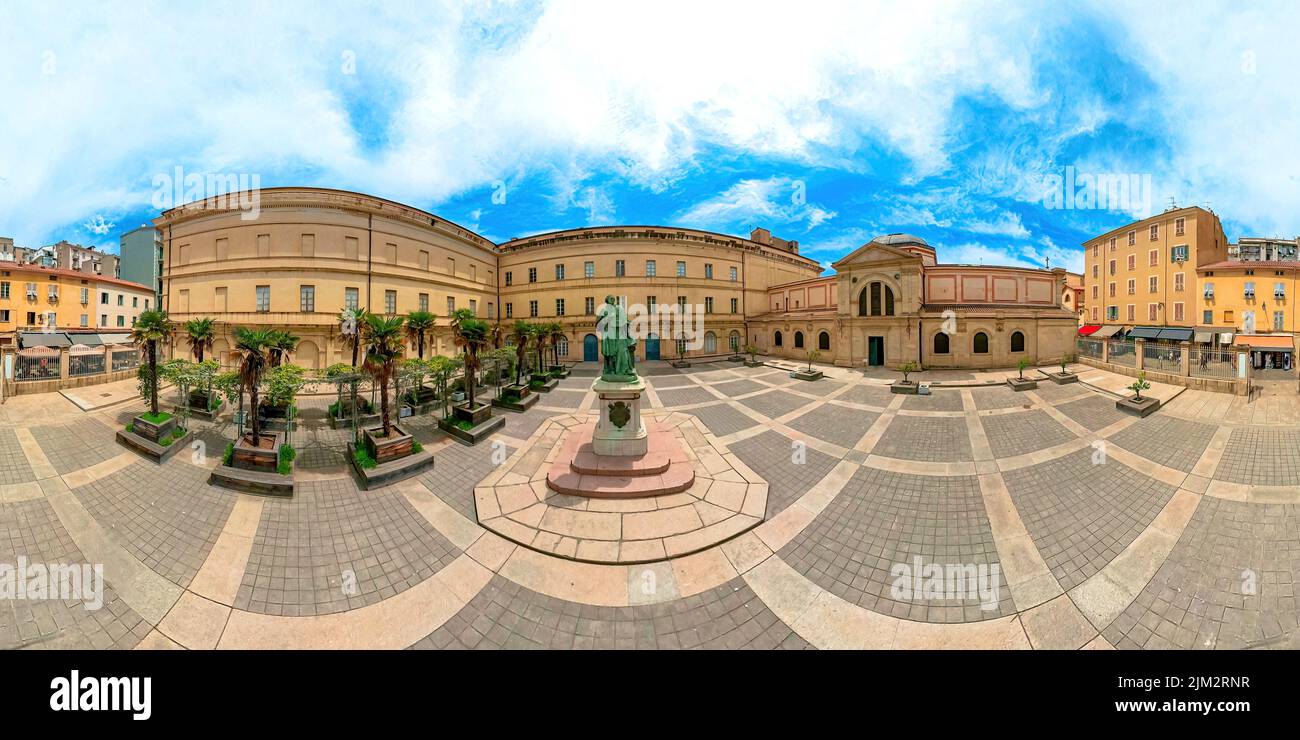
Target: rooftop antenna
{"points": [[1047, 263], [1173, 204]]}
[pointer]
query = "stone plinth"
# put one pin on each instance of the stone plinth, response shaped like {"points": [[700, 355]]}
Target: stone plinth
{"points": [[579, 471], [620, 430]]}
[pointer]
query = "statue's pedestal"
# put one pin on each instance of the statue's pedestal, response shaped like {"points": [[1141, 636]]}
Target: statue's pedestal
{"points": [[620, 430]]}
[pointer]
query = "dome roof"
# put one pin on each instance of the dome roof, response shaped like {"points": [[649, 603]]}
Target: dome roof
{"points": [[901, 239]]}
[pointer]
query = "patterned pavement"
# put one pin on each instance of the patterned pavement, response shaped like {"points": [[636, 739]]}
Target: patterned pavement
{"points": [[969, 517]]}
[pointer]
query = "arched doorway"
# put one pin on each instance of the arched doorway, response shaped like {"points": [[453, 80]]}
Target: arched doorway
{"points": [[307, 355], [652, 347], [710, 343], [590, 348], [733, 341]]}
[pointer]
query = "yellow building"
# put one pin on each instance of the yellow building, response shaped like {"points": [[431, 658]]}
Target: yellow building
{"points": [[1255, 301], [1144, 272], [34, 299]]}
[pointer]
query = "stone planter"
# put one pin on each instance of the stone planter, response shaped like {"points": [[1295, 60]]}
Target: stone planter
{"points": [[390, 472], [475, 415], [548, 383], [735, 358], [252, 481], [152, 450], [904, 386], [805, 375], [1022, 384], [559, 371], [679, 364], [420, 397], [1063, 378], [262, 458], [151, 431], [753, 363], [474, 434], [516, 403], [1146, 407], [382, 449]]}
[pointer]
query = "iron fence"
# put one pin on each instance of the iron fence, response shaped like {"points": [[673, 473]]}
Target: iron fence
{"points": [[87, 364], [1089, 347], [36, 368], [1165, 358], [1206, 362], [1122, 352]]}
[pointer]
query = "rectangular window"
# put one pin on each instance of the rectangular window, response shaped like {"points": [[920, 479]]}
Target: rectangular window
{"points": [[1151, 312], [1153, 284], [424, 302], [135, 300], [121, 299], [734, 274], [559, 306], [1279, 290], [532, 274], [1132, 286], [424, 259], [708, 304], [589, 269], [532, 309], [1249, 291], [1178, 253], [589, 306], [1155, 232], [1132, 312], [510, 310], [1112, 246], [4, 290], [1154, 257], [510, 279], [650, 303], [350, 247], [263, 298], [1178, 227], [85, 319], [1209, 290], [492, 310], [1094, 313], [1228, 318], [473, 307], [1111, 293], [1112, 267], [85, 294], [1132, 261], [1207, 317], [350, 298], [708, 271], [1094, 251], [451, 305], [451, 266], [1094, 291], [620, 268], [1112, 313], [307, 298], [1094, 271], [681, 269], [735, 303], [1132, 238], [103, 318], [121, 320], [1277, 321], [390, 302], [4, 316], [559, 272], [1178, 311], [1180, 282], [649, 268], [103, 297]]}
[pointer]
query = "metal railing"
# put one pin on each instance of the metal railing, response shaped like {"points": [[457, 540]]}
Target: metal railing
{"points": [[1206, 362], [1162, 357], [1122, 352], [126, 360], [87, 364], [36, 368], [1089, 347]]}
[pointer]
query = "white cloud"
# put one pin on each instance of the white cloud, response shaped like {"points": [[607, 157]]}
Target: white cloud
{"points": [[772, 203]]}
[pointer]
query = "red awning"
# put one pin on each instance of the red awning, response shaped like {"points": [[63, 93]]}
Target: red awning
{"points": [[1087, 329]]}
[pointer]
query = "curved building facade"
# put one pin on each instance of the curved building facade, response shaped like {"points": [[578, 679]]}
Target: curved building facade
{"points": [[305, 254]]}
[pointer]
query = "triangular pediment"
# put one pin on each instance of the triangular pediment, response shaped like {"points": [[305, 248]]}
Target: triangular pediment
{"points": [[873, 253]]}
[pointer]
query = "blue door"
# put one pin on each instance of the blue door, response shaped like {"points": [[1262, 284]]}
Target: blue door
{"points": [[652, 347], [590, 348]]}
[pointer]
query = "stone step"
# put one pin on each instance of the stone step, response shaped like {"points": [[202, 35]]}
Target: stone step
{"points": [[587, 462], [678, 477]]}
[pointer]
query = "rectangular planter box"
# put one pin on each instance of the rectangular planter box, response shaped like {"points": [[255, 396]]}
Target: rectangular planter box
{"points": [[383, 450], [523, 404], [475, 415], [423, 396], [680, 363], [735, 358], [150, 431], [754, 363], [473, 435], [392, 471], [1022, 384], [275, 418], [257, 459], [1063, 378], [805, 375], [559, 371], [149, 449], [1143, 408], [204, 413], [252, 481], [549, 385], [909, 388], [365, 420]]}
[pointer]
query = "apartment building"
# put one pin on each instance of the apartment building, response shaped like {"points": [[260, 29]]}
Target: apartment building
{"points": [[34, 299]]}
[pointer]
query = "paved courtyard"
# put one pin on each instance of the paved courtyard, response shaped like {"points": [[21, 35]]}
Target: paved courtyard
{"points": [[971, 517]]}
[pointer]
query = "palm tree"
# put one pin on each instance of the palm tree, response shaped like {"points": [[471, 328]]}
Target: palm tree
{"points": [[152, 327], [471, 336], [383, 337], [351, 323], [520, 334], [418, 323], [556, 330], [281, 344], [541, 335], [202, 333], [253, 345]]}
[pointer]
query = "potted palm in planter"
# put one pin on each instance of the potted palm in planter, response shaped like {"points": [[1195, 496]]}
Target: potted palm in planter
{"points": [[151, 328], [1065, 376], [808, 373], [681, 361], [383, 338], [752, 351], [472, 420], [1020, 382], [511, 395], [1137, 404], [418, 324], [906, 385], [351, 323], [200, 334], [555, 332], [254, 451], [204, 376]]}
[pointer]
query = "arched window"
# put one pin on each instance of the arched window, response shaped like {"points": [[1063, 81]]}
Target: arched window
{"points": [[981, 343], [562, 346], [1017, 341], [941, 346], [889, 300], [876, 299], [823, 341], [798, 340], [776, 339], [734, 341], [862, 301], [710, 342]]}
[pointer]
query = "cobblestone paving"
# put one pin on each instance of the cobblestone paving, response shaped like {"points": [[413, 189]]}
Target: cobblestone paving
{"points": [[1082, 515], [563, 399], [823, 387], [998, 397], [926, 438], [683, 396], [1228, 583], [14, 467], [1093, 412], [332, 548], [739, 387], [722, 419], [863, 547], [31, 530], [507, 615], [78, 444], [867, 395], [775, 404], [457, 468], [1051, 392], [1265, 457], [667, 382], [167, 516], [938, 400], [835, 424], [1017, 433], [1170, 441], [770, 455], [522, 426]]}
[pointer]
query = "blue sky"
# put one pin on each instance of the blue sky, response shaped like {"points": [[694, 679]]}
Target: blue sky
{"points": [[828, 123]]}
